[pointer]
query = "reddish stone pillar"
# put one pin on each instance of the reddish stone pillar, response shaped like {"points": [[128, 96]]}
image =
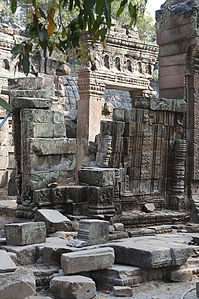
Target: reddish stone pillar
{"points": [[89, 113]]}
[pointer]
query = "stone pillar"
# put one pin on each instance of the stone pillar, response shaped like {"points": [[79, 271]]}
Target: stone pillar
{"points": [[178, 178], [91, 92]]}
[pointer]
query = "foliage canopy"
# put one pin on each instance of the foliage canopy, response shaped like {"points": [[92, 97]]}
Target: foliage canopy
{"points": [[47, 28]]}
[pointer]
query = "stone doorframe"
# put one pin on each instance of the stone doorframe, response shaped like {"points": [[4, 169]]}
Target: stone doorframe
{"points": [[126, 63]]}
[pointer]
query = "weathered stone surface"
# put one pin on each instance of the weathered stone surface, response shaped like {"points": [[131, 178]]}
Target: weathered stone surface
{"points": [[73, 287], [38, 297], [120, 291], [117, 275], [151, 253], [17, 285], [197, 289], [118, 227], [149, 207], [97, 176], [113, 128], [42, 93], [181, 275], [21, 103], [25, 233], [25, 83], [54, 220], [6, 263], [93, 231], [87, 260]]}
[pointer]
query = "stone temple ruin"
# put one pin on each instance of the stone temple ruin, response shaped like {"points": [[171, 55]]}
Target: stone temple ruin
{"points": [[116, 194]]}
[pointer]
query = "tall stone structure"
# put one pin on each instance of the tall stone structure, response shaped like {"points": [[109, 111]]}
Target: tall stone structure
{"points": [[177, 36], [125, 63]]}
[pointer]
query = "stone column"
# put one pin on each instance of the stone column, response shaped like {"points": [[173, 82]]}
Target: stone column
{"points": [[91, 92], [178, 178]]}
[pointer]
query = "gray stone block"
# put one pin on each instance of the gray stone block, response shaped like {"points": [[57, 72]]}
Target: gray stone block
{"points": [[181, 275], [97, 176], [25, 83], [25, 233], [54, 220], [17, 285], [87, 260], [151, 253], [93, 231], [73, 287], [21, 103], [6, 263], [120, 291]]}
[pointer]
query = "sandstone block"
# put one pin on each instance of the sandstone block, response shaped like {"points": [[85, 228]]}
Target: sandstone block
{"points": [[73, 287], [21, 103], [181, 275], [118, 114], [120, 291], [93, 231], [54, 220], [87, 260], [149, 207], [197, 289], [25, 233], [6, 263], [113, 128], [17, 285], [25, 83], [118, 226], [101, 177]]}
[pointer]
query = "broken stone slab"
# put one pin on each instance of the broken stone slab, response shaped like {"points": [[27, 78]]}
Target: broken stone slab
{"points": [[120, 291], [6, 263], [25, 83], [87, 260], [21, 103], [93, 231], [54, 220], [73, 287], [25, 233], [151, 252], [17, 285], [101, 177]]}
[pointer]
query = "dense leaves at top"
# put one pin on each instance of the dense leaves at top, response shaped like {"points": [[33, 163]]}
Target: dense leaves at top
{"points": [[93, 16]]}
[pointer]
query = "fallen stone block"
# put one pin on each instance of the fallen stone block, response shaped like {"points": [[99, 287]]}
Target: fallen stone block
{"points": [[87, 260], [119, 227], [151, 252], [25, 233], [93, 231], [119, 291], [26, 254], [181, 275], [54, 220], [17, 285], [6, 263], [73, 287]]}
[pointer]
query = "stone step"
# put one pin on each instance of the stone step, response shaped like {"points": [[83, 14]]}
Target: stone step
{"points": [[28, 102], [165, 217], [42, 275]]}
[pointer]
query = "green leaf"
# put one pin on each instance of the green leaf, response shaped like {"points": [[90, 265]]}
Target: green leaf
{"points": [[121, 8], [34, 3], [5, 105], [13, 6], [100, 7], [89, 4], [26, 64], [70, 5]]}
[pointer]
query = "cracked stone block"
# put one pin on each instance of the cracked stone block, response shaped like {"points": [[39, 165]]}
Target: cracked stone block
{"points": [[87, 260], [54, 220], [25, 233], [6, 263], [17, 285], [73, 287], [120, 291]]}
